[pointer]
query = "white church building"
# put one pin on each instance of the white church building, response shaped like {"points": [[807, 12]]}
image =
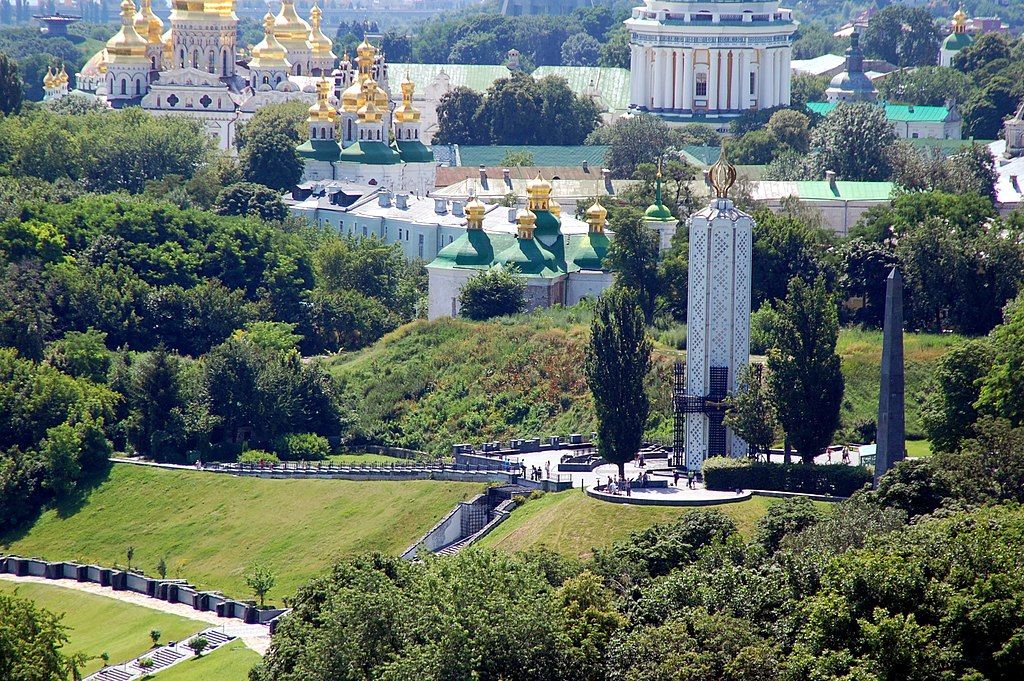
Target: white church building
{"points": [[709, 60]]}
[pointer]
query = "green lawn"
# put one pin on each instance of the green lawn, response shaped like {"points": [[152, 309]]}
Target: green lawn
{"points": [[919, 448], [230, 663], [572, 523], [366, 459], [97, 624], [861, 352], [210, 528]]}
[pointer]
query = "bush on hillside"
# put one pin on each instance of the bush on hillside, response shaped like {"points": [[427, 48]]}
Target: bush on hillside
{"points": [[840, 480], [258, 456], [302, 447]]}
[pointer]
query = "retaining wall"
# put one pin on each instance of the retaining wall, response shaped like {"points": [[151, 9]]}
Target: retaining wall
{"points": [[171, 590]]}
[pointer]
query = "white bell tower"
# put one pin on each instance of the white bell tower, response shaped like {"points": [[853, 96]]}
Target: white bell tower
{"points": [[718, 318]]}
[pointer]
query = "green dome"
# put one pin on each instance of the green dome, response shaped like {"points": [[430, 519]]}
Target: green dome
{"points": [[528, 256], [657, 211], [414, 151], [956, 41], [370, 153], [472, 249], [588, 251], [319, 150]]}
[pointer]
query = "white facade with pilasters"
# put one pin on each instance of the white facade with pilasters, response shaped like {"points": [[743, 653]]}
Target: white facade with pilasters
{"points": [[709, 59], [718, 316]]}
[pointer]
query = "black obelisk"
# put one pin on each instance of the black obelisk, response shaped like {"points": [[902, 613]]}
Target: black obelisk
{"points": [[891, 420]]}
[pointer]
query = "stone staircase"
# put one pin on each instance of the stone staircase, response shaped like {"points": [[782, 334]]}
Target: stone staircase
{"points": [[161, 658]]}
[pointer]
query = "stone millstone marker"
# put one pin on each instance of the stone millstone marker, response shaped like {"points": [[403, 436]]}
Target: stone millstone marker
{"points": [[891, 418]]}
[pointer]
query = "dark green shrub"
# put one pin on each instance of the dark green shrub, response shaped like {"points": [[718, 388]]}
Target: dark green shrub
{"points": [[302, 447], [839, 480]]}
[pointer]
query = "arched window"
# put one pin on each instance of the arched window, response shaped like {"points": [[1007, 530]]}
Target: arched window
{"points": [[211, 61], [298, 69], [138, 87], [266, 79], [195, 59], [314, 133], [224, 63], [152, 63], [124, 86], [348, 135], [181, 58], [701, 85]]}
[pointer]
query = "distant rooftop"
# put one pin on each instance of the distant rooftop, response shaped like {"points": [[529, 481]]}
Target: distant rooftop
{"points": [[822, 190], [493, 155], [901, 113]]}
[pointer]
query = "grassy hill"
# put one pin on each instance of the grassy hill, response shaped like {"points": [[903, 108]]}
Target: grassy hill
{"points": [[210, 528], [124, 633], [572, 523], [429, 385], [230, 663]]}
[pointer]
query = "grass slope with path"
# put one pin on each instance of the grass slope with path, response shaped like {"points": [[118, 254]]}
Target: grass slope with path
{"points": [[228, 663], [96, 624], [572, 523], [209, 528]]}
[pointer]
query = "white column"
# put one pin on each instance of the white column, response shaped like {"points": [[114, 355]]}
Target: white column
{"points": [[787, 77], [713, 81], [688, 79], [645, 78], [737, 80], [658, 82], [681, 61], [769, 80], [666, 78], [723, 80], [778, 77], [744, 78], [634, 75]]}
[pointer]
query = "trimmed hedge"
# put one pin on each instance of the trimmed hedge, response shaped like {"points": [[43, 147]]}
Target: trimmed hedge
{"points": [[840, 480]]}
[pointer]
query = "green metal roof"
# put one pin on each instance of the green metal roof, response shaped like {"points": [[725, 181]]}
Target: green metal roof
{"points": [[702, 155], [901, 113], [588, 251], [319, 150], [474, 249], [370, 153], [546, 156], [414, 151], [474, 76], [957, 41], [845, 191], [612, 83]]}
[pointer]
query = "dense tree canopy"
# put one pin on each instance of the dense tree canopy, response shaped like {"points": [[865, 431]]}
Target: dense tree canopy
{"points": [[492, 293]]}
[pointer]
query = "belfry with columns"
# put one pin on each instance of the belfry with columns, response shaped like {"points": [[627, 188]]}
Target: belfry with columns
{"points": [[709, 60]]}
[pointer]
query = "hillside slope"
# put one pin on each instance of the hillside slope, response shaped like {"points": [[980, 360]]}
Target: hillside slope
{"points": [[429, 385], [210, 528]]}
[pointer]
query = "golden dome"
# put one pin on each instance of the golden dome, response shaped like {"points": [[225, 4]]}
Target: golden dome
{"points": [[555, 208], [224, 8], [475, 211], [366, 50], [538, 193], [369, 112], [538, 185], [406, 112], [526, 221], [322, 110], [597, 216], [148, 24], [960, 20], [288, 25], [352, 98], [269, 53], [48, 78], [62, 77], [322, 45], [127, 46]]}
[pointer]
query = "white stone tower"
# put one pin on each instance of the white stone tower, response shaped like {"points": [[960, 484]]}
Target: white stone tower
{"points": [[127, 63], [718, 318], [203, 36]]}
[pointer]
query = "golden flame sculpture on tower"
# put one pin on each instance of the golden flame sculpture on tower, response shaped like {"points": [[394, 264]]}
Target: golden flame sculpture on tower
{"points": [[722, 176]]}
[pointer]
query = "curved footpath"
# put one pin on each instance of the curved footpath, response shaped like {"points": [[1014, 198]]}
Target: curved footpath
{"points": [[255, 636]]}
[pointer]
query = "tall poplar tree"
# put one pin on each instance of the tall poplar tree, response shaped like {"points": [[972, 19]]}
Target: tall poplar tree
{"points": [[618, 359], [803, 368]]}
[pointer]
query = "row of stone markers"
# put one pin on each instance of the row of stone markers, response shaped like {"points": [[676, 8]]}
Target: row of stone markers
{"points": [[170, 590], [160, 658]]}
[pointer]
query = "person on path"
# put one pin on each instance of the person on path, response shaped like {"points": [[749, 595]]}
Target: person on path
{"points": [[689, 479], [675, 479], [629, 488], [547, 470]]}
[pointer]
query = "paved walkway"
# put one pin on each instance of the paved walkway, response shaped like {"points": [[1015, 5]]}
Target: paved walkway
{"points": [[255, 636]]}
